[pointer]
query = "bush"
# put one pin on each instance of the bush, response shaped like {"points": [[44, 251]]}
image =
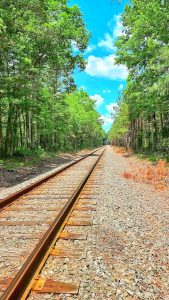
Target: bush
{"points": [[23, 152]]}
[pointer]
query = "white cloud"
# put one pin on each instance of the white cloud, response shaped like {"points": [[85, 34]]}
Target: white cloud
{"points": [[121, 86], [90, 48], [116, 26], [106, 119], [107, 122], [107, 91], [118, 30], [105, 67], [107, 42], [99, 99], [112, 107]]}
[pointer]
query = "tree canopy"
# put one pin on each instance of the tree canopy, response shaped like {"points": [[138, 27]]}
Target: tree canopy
{"points": [[37, 90], [144, 49]]}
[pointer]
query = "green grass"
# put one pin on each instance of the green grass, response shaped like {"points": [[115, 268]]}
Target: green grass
{"points": [[153, 157], [30, 160], [12, 164]]}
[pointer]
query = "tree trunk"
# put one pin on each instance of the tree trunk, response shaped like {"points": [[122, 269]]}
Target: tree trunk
{"points": [[8, 138], [155, 133], [1, 133]]}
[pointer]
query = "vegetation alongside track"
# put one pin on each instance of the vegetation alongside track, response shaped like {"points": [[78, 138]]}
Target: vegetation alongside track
{"points": [[142, 120], [40, 106]]}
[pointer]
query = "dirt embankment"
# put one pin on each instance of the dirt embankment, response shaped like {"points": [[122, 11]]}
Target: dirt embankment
{"points": [[13, 176]]}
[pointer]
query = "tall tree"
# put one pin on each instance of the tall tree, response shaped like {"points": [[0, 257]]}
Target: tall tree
{"points": [[36, 68], [144, 49]]}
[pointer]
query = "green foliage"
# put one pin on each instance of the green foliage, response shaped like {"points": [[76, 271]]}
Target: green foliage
{"points": [[36, 65], [26, 152], [120, 125], [83, 126], [144, 49]]}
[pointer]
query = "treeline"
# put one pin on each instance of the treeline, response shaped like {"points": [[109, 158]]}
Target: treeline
{"points": [[39, 104], [144, 49]]}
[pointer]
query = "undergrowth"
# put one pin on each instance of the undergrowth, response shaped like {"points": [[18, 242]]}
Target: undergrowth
{"points": [[26, 159], [153, 157], [156, 174]]}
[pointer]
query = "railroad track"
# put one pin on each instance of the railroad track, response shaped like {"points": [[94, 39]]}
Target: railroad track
{"points": [[34, 220]]}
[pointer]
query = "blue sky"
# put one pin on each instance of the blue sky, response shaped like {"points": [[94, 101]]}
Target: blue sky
{"points": [[102, 79]]}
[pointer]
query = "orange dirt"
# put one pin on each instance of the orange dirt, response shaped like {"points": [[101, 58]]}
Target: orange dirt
{"points": [[156, 175], [119, 150], [123, 151]]}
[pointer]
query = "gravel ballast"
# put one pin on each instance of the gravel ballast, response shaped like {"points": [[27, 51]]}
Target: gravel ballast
{"points": [[127, 246]]}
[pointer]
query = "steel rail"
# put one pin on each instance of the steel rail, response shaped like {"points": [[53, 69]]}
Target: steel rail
{"points": [[24, 277], [9, 199]]}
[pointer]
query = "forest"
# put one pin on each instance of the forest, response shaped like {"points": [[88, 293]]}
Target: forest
{"points": [[142, 120], [40, 106]]}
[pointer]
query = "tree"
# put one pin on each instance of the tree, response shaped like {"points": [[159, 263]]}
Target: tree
{"points": [[36, 70], [144, 50]]}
